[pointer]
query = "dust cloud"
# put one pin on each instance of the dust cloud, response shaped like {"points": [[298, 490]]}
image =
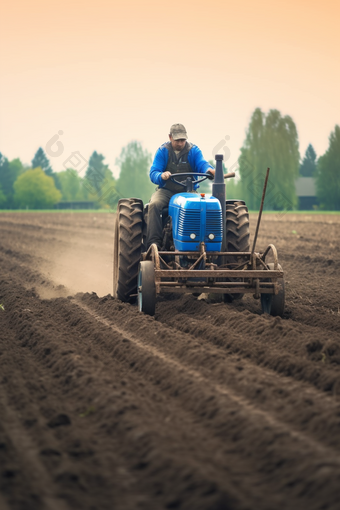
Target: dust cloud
{"points": [[81, 269], [74, 251]]}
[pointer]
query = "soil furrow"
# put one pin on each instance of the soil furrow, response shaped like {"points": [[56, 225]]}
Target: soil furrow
{"points": [[232, 331], [29, 467], [77, 374], [215, 388], [224, 425]]}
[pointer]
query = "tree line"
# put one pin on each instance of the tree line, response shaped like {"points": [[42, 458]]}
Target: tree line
{"points": [[271, 141], [38, 187]]}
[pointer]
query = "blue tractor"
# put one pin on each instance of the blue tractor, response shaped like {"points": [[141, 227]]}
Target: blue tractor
{"points": [[206, 249]]}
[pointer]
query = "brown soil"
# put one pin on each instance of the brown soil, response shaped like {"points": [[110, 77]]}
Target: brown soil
{"points": [[204, 406]]}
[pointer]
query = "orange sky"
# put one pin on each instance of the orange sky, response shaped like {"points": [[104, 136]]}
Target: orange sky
{"points": [[106, 73]]}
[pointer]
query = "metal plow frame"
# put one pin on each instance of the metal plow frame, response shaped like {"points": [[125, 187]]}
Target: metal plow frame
{"points": [[256, 277]]}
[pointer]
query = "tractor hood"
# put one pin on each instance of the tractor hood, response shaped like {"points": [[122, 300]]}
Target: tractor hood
{"points": [[196, 218]]}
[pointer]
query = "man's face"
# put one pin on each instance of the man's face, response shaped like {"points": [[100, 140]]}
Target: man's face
{"points": [[177, 145]]}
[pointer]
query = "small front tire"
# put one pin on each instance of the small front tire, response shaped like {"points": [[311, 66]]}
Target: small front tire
{"points": [[146, 288], [274, 304]]}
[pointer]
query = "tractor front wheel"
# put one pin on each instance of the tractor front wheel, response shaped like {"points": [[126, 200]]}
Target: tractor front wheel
{"points": [[274, 304], [146, 288]]}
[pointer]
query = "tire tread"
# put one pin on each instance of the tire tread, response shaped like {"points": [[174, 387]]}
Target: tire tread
{"points": [[128, 255]]}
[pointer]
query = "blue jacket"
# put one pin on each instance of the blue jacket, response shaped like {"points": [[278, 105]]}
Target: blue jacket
{"points": [[160, 162]]}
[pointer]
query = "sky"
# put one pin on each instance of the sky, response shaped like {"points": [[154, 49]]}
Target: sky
{"points": [[94, 75]]}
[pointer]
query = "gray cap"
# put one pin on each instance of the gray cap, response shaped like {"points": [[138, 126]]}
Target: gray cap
{"points": [[178, 131]]}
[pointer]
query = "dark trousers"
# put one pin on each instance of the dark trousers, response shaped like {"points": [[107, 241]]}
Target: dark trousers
{"points": [[159, 199]]}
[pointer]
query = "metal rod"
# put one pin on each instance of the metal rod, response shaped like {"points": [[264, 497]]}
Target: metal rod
{"points": [[208, 253], [225, 290], [218, 273], [260, 212], [229, 175], [215, 285]]}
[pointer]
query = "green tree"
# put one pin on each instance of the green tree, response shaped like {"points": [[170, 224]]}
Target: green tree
{"points": [[17, 168], [99, 183], [2, 198], [233, 189], [9, 172], [71, 185], [96, 172], [36, 190], [308, 165], [271, 141], [40, 160], [134, 163], [328, 174], [4, 177]]}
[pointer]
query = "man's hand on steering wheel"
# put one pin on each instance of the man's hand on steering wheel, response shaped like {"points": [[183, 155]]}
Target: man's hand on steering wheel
{"points": [[166, 175], [212, 172]]}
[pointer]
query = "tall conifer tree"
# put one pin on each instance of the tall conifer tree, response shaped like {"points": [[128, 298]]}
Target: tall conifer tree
{"points": [[308, 165], [40, 160]]}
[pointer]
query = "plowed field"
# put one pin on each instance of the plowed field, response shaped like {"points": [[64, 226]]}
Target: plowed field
{"points": [[203, 407]]}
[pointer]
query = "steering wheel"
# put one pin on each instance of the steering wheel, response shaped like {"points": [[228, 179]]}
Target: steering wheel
{"points": [[191, 177]]}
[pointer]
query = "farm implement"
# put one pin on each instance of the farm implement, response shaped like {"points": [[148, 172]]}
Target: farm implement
{"points": [[205, 249]]}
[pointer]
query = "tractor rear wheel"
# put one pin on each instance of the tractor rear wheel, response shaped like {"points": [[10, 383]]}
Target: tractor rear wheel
{"points": [[128, 233], [237, 227], [238, 237]]}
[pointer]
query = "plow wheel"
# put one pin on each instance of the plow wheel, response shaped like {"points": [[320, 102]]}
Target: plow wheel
{"points": [[146, 288], [238, 237], [274, 304], [128, 232]]}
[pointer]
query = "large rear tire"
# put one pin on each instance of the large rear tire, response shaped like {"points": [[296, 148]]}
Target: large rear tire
{"points": [[237, 227], [238, 237], [128, 233]]}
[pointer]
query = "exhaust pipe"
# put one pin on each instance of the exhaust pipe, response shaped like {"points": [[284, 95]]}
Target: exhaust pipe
{"points": [[218, 191]]}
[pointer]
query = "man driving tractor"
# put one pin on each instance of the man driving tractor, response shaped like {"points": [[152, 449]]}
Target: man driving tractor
{"points": [[175, 156]]}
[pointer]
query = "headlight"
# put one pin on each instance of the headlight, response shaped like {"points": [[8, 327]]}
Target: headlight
{"points": [[192, 236], [211, 236]]}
